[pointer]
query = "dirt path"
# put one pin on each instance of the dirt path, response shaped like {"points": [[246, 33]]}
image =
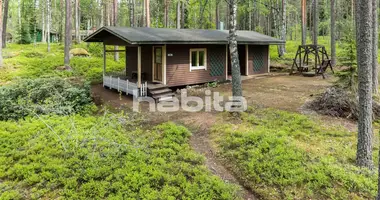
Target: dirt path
{"points": [[200, 124]]}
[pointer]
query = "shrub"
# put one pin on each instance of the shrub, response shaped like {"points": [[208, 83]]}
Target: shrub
{"points": [[43, 96], [282, 155], [104, 157]]}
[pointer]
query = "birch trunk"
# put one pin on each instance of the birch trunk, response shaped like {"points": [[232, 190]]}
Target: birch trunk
{"points": [[178, 15], [67, 33], [132, 13], [5, 20], [147, 5], [375, 38], [48, 24], [166, 13], [332, 33], [43, 36], [235, 65], [303, 21], [364, 51]]}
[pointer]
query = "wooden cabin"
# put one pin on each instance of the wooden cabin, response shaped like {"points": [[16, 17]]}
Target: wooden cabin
{"points": [[158, 58]]}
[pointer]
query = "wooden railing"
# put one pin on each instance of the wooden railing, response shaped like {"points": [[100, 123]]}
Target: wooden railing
{"points": [[125, 86]]}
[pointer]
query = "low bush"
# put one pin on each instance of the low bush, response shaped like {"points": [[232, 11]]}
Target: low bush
{"points": [[282, 155], [104, 157], [43, 96]]}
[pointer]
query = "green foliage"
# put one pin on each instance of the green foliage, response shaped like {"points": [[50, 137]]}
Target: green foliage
{"points": [[29, 61], [105, 157], [42, 96], [282, 155]]}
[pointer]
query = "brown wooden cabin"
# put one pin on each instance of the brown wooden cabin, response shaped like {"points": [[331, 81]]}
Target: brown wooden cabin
{"points": [[158, 58]]}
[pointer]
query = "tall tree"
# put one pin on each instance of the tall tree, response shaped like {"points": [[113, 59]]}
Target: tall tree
{"points": [[77, 25], [1, 27], [166, 13], [375, 38], [5, 20], [132, 13], [303, 21], [235, 65], [332, 33], [315, 22], [147, 18], [67, 33], [281, 49], [114, 23], [48, 24], [364, 51], [178, 20]]}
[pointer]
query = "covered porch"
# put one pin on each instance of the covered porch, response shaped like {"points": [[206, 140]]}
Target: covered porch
{"points": [[144, 69]]}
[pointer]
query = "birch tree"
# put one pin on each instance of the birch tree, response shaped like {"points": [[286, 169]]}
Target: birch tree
{"points": [[375, 38], [364, 58], [5, 20], [178, 20], [114, 23], [77, 27], [67, 33], [147, 18], [315, 22], [235, 65]]}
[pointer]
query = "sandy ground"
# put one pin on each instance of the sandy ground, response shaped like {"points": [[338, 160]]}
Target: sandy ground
{"points": [[273, 91]]}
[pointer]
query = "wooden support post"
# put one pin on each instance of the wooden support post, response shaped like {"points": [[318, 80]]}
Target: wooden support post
{"points": [[139, 66], [104, 60], [246, 60]]}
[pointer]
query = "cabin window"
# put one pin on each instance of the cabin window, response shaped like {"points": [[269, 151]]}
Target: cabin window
{"points": [[198, 59]]}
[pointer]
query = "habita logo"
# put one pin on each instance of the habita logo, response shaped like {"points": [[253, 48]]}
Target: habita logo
{"points": [[211, 101]]}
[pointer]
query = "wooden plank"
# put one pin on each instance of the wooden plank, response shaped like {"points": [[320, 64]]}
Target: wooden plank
{"points": [[104, 59]]}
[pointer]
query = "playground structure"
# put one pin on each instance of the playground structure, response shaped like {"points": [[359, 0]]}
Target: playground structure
{"points": [[321, 61]]}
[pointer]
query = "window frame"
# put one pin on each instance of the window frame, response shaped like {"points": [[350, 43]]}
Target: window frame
{"points": [[197, 50]]}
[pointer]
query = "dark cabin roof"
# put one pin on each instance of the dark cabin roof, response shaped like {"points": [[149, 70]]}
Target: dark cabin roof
{"points": [[144, 35]]}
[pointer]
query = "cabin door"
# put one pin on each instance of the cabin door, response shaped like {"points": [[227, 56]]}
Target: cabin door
{"points": [[157, 64]]}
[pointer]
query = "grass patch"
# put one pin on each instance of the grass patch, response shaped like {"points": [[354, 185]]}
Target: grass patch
{"points": [[282, 155], [105, 157]]}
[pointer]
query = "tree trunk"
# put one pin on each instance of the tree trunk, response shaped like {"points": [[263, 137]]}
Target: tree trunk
{"points": [[178, 15], [364, 51], [283, 29], [147, 6], [235, 65], [43, 38], [114, 21], [303, 21], [67, 33], [48, 24], [332, 33], [132, 13], [183, 15], [315, 22], [5, 20], [217, 23], [77, 27], [375, 36], [1, 27], [166, 13]]}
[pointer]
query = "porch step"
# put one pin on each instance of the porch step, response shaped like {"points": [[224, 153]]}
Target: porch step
{"points": [[161, 93]]}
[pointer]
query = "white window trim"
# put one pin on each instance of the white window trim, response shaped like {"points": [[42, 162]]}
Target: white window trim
{"points": [[205, 59]]}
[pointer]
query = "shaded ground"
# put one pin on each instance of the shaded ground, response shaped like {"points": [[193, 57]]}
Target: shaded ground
{"points": [[280, 92]]}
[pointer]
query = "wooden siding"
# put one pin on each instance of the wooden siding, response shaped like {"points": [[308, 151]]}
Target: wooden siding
{"points": [[178, 65], [261, 49]]}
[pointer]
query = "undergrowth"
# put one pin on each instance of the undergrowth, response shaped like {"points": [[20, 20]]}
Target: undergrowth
{"points": [[282, 155], [29, 61], [104, 157]]}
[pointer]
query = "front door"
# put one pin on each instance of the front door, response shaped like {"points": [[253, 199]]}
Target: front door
{"points": [[157, 64]]}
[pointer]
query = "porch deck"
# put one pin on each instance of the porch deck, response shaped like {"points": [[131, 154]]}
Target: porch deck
{"points": [[129, 85]]}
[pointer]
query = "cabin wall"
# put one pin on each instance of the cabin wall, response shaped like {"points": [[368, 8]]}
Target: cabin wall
{"points": [[178, 65], [258, 59]]}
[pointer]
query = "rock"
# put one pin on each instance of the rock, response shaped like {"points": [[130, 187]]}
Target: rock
{"points": [[79, 52], [63, 68]]}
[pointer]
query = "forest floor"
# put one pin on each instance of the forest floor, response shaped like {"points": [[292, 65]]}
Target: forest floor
{"points": [[274, 91]]}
